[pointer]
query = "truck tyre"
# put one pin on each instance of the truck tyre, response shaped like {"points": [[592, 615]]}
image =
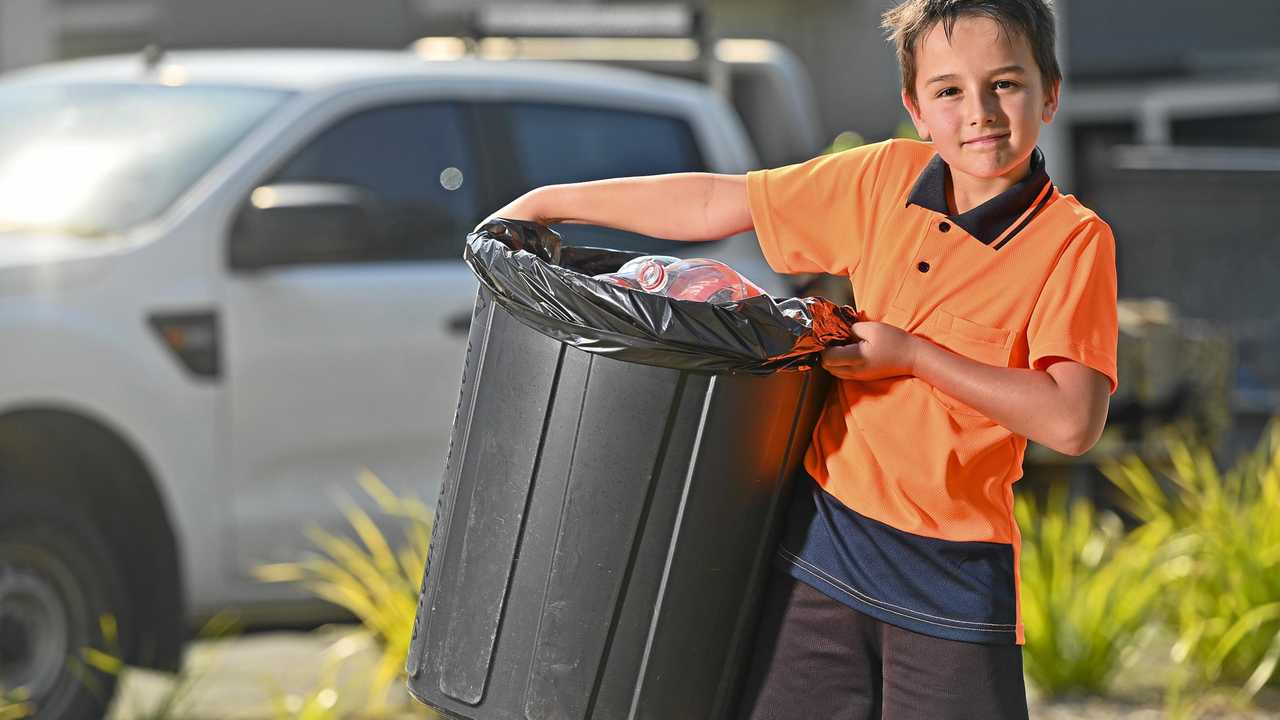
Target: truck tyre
{"points": [[57, 580]]}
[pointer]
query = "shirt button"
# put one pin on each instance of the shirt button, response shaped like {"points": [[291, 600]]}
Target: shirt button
{"points": [[944, 226], [923, 266]]}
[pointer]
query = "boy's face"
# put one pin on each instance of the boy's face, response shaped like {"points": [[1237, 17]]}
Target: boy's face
{"points": [[981, 83]]}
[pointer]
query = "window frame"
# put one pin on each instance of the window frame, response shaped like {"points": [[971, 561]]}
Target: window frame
{"points": [[506, 184], [465, 117]]}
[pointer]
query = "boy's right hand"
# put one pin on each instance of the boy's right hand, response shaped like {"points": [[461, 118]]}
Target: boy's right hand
{"points": [[525, 235], [881, 351]]}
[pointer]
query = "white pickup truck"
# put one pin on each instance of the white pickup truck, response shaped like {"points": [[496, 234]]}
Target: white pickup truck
{"points": [[230, 280]]}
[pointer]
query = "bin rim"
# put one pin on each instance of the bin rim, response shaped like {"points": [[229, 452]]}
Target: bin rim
{"points": [[533, 276]]}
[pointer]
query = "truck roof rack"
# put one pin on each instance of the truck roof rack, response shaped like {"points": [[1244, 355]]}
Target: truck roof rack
{"points": [[621, 20], [764, 81]]}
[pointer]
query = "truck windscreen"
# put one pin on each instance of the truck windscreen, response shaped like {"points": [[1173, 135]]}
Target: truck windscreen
{"points": [[93, 159]]}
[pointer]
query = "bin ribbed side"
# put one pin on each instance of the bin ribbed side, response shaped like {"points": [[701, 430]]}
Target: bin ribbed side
{"points": [[603, 532]]}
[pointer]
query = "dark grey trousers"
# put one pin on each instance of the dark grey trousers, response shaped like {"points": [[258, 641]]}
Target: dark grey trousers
{"points": [[818, 659]]}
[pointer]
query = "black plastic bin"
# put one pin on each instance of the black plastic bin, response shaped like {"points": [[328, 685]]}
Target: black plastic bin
{"points": [[603, 532]]}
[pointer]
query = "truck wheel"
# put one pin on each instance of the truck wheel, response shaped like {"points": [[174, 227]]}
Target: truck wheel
{"points": [[57, 579]]}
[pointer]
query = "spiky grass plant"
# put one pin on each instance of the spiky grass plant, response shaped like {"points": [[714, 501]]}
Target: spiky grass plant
{"points": [[15, 704], [108, 660], [321, 702], [375, 583], [1088, 593], [1224, 539]]}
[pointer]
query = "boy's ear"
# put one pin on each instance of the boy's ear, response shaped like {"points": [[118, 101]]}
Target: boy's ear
{"points": [[921, 129], [1051, 97]]}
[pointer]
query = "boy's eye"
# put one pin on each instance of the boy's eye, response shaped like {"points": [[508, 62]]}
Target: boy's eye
{"points": [[948, 92], [1004, 84]]}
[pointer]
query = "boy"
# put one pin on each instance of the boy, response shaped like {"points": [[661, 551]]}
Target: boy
{"points": [[990, 300]]}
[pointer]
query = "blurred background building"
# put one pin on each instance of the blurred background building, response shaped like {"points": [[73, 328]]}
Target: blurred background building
{"points": [[1171, 130], [1115, 62]]}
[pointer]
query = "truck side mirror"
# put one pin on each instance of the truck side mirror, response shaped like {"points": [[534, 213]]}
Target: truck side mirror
{"points": [[302, 223]]}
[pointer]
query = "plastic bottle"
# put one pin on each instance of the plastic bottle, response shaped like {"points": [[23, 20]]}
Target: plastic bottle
{"points": [[697, 279], [706, 280], [628, 276]]}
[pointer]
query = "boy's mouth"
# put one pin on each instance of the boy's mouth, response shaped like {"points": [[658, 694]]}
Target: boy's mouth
{"points": [[987, 139]]}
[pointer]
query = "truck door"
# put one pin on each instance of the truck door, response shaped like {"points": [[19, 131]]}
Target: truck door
{"points": [[354, 362]]}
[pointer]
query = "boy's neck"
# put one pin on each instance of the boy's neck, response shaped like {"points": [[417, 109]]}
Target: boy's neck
{"points": [[965, 192]]}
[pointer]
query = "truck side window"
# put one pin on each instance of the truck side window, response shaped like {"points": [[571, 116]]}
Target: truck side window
{"points": [[563, 143], [415, 160]]}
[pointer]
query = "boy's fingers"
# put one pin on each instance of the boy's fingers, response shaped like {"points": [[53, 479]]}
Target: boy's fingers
{"points": [[843, 372], [842, 354]]}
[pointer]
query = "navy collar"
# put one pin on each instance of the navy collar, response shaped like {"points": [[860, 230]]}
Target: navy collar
{"points": [[989, 220]]}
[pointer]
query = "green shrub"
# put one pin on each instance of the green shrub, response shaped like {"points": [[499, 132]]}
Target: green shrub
{"points": [[1088, 591], [848, 139], [376, 584], [15, 704], [108, 660], [845, 140], [1223, 543], [321, 702]]}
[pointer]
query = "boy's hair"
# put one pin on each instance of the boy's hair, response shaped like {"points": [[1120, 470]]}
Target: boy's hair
{"points": [[908, 22]]}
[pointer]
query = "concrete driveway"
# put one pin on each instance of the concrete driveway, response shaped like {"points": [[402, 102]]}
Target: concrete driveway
{"points": [[237, 679], [254, 675]]}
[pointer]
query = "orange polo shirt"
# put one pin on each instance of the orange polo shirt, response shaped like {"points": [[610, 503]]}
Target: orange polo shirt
{"points": [[1023, 281]]}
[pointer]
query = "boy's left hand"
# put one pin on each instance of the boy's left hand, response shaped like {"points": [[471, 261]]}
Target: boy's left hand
{"points": [[882, 351]]}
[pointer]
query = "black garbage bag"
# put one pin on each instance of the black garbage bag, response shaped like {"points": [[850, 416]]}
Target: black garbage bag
{"points": [[548, 286]]}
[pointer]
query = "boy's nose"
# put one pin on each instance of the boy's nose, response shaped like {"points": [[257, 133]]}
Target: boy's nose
{"points": [[982, 110]]}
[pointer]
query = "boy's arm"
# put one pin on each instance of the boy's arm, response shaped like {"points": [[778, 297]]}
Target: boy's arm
{"points": [[677, 206], [1063, 407]]}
